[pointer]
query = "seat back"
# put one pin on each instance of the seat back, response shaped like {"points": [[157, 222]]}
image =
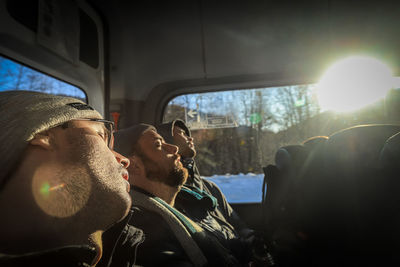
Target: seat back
{"points": [[285, 200], [332, 197]]}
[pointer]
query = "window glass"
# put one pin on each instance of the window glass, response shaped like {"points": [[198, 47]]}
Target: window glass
{"points": [[237, 133], [15, 76]]}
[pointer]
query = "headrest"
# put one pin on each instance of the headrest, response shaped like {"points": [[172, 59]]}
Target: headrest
{"points": [[296, 155], [315, 142], [286, 156], [358, 147]]}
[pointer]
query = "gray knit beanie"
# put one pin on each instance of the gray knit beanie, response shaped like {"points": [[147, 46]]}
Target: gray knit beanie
{"points": [[166, 130], [126, 139], [23, 114]]}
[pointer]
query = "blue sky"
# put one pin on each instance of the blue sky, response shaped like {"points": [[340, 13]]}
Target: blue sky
{"points": [[14, 76]]}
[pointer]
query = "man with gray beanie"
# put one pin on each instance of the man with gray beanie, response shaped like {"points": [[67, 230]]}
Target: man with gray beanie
{"points": [[61, 184]]}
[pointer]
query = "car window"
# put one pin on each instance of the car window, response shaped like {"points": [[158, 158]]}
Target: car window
{"points": [[15, 76], [238, 132]]}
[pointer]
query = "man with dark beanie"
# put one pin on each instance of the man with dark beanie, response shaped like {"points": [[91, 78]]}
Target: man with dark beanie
{"points": [[176, 132], [251, 246], [61, 185], [172, 238]]}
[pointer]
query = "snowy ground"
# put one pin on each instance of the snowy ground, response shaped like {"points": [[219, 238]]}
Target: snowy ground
{"points": [[240, 188]]}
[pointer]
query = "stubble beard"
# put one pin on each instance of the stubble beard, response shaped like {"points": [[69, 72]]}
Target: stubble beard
{"points": [[95, 167], [175, 178]]}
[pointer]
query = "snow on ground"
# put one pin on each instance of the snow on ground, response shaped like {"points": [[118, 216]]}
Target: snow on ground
{"points": [[240, 188]]}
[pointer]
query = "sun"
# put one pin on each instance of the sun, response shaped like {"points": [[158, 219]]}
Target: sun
{"points": [[353, 83]]}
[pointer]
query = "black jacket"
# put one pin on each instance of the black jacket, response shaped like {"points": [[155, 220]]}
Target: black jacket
{"points": [[202, 208], [223, 211], [121, 238], [221, 219], [82, 256], [68, 256]]}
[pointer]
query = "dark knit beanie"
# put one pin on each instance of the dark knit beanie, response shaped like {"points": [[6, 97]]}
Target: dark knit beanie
{"points": [[166, 130], [125, 140], [23, 114]]}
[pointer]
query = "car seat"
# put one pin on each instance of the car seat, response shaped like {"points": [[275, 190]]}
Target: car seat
{"points": [[331, 198]]}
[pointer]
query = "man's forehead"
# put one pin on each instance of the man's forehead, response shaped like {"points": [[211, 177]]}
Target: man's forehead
{"points": [[150, 135], [147, 139], [178, 129]]}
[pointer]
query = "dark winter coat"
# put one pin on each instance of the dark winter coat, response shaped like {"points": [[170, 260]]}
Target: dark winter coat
{"points": [[202, 208], [124, 239], [223, 211], [68, 256]]}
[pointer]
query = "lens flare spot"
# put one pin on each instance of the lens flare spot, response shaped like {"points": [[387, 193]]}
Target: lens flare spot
{"points": [[45, 189]]}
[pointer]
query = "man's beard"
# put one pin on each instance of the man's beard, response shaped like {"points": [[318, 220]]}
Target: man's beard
{"points": [[175, 178]]}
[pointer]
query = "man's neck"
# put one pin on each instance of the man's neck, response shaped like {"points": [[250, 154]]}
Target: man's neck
{"points": [[161, 190]]}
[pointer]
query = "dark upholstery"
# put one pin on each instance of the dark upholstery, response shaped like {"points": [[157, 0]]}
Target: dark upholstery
{"points": [[358, 148], [336, 200]]}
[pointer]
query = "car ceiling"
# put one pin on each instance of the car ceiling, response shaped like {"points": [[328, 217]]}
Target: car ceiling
{"points": [[168, 46]]}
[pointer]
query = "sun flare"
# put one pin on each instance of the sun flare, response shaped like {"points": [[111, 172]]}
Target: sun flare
{"points": [[353, 83]]}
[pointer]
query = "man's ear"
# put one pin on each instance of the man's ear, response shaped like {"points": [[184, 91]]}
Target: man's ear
{"points": [[43, 140]]}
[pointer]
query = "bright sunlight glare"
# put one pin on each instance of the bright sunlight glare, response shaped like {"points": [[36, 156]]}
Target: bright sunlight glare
{"points": [[353, 83]]}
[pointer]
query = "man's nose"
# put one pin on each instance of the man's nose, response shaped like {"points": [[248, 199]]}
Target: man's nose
{"points": [[121, 159], [171, 148]]}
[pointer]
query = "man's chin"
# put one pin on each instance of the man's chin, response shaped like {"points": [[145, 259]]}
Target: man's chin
{"points": [[177, 177]]}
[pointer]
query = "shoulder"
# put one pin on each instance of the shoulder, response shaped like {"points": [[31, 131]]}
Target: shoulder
{"points": [[150, 222], [158, 232], [210, 184], [214, 190], [160, 247]]}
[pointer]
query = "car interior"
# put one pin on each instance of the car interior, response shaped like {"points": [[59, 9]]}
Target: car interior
{"points": [[264, 88]]}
